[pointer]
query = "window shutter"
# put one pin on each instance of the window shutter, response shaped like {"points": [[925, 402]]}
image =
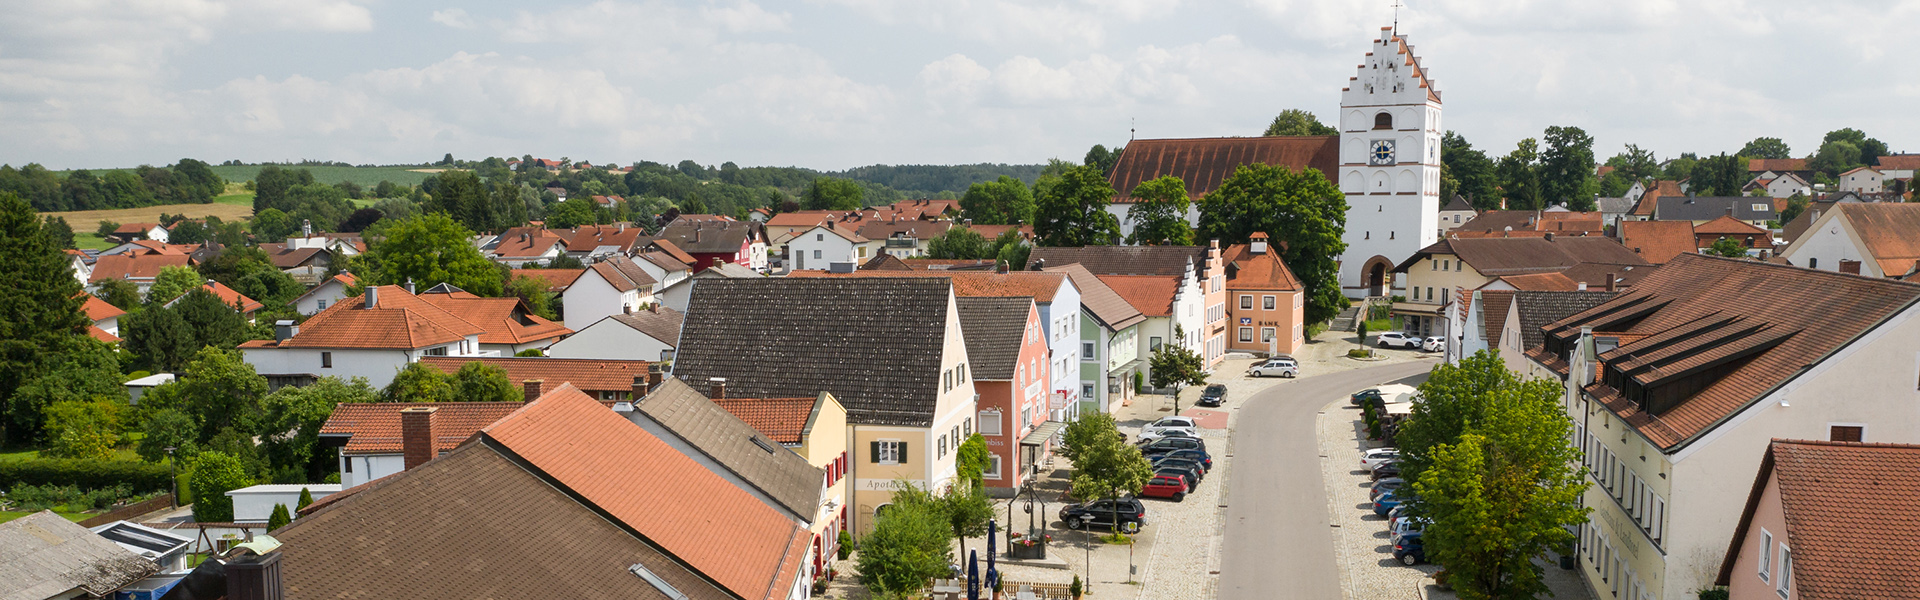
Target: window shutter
{"points": [[873, 453], [903, 452]]}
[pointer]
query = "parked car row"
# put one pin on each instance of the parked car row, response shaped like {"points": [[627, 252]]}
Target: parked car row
{"points": [[1389, 494], [1180, 461], [1402, 339]]}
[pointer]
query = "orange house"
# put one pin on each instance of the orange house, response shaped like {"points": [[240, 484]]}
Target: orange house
{"points": [[1266, 305]]}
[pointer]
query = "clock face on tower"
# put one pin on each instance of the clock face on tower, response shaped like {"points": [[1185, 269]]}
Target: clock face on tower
{"points": [[1380, 153]]}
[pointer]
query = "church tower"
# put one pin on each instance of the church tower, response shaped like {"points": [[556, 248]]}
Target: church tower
{"points": [[1389, 165]]}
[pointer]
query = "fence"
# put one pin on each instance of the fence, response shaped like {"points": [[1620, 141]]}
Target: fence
{"points": [[130, 511]]}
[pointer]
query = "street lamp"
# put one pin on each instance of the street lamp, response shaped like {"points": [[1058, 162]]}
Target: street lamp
{"points": [[1086, 526], [172, 479]]}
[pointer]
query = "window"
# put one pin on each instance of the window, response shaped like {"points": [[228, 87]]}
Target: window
{"points": [[1846, 433], [1267, 302], [889, 452], [1383, 121], [323, 304], [349, 465], [816, 254], [1246, 334], [1766, 555], [1813, 263], [1429, 293], [1086, 351], [1246, 302], [326, 360], [967, 426], [956, 438], [1659, 518], [942, 446], [989, 422], [1086, 390], [1784, 585], [863, 252], [1153, 343], [819, 237], [1433, 265], [993, 467], [1266, 334], [441, 351]]}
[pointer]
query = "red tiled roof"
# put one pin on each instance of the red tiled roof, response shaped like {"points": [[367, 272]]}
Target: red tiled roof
{"points": [[1777, 165], [1494, 305], [1152, 295], [529, 246], [1651, 199], [1727, 225], [102, 335], [783, 420], [98, 309], [375, 426], [590, 374], [1891, 232], [557, 279], [136, 228], [505, 320], [145, 266], [1541, 282], [1259, 271], [710, 524], [674, 251], [1204, 163], [1041, 286], [584, 239], [1838, 499], [805, 218], [1658, 241], [621, 273], [399, 320], [1900, 162], [230, 297]]}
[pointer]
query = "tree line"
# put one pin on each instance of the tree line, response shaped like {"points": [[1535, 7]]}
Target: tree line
{"points": [[186, 182]]}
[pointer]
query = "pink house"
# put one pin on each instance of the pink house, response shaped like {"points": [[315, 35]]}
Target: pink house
{"points": [[1824, 521], [1007, 348]]}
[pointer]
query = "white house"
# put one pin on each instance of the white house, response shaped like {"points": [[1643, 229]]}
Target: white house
{"points": [[373, 437], [1863, 180], [663, 268], [1787, 185], [82, 270], [648, 334], [328, 293], [815, 249], [141, 231], [254, 504], [610, 287], [373, 335], [528, 248], [1876, 239]]}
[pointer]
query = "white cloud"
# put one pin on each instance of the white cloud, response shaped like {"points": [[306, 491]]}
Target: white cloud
{"points": [[744, 16], [453, 17]]}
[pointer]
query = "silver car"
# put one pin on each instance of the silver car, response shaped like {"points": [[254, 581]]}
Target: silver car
{"points": [[1278, 366]]}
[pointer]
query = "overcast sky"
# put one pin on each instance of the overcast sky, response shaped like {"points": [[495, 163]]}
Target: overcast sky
{"points": [[832, 84]]}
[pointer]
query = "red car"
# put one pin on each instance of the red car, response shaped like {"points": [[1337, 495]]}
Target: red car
{"points": [[1172, 487]]}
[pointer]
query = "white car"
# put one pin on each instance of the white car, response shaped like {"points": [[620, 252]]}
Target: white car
{"points": [[1278, 366], [1149, 436], [1407, 525], [1435, 344], [1379, 455], [1165, 424], [1389, 339]]}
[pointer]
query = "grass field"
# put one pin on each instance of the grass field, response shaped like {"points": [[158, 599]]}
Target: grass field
{"points": [[9, 515], [365, 176], [85, 221]]}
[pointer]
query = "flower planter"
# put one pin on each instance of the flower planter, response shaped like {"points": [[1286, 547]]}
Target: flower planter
{"points": [[1026, 552]]}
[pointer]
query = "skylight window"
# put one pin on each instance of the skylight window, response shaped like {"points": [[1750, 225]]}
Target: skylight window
{"points": [[656, 581]]}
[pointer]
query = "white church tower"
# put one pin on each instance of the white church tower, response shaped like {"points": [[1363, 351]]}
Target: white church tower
{"points": [[1389, 165]]}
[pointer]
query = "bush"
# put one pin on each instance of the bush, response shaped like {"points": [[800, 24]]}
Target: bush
{"points": [[846, 544], [1714, 594], [28, 497], [1359, 353], [1075, 588], [279, 518], [215, 474], [85, 473]]}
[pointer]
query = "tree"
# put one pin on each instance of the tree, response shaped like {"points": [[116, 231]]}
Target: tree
{"points": [[1175, 365], [1070, 209], [1453, 397], [1012, 250], [1005, 201], [1796, 204], [833, 193], [1470, 172], [1294, 121], [574, 212], [534, 291], [306, 498], [1870, 149], [480, 382], [909, 545], [279, 518], [1503, 492], [1835, 157], [1104, 464], [106, 229], [59, 231], [82, 429], [213, 474], [431, 249], [1159, 213], [1302, 213], [972, 459], [959, 242], [172, 282], [1728, 248], [1766, 147], [221, 390], [1720, 175], [290, 422], [41, 303], [1566, 168], [76, 369], [419, 383], [360, 220], [169, 428], [1635, 164], [1100, 156]]}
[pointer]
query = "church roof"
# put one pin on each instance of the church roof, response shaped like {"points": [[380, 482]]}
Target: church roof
{"points": [[1204, 163]]}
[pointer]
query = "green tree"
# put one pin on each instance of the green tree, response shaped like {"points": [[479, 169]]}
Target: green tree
{"points": [[1836, 157], [221, 390], [306, 495], [1566, 168], [1520, 177], [480, 382], [82, 429], [1100, 156], [1294, 121], [464, 197], [1635, 164], [78, 369], [106, 229], [573, 212], [60, 232], [431, 249], [1104, 464], [1796, 204], [1452, 398], [909, 545], [533, 291], [833, 193], [1870, 149], [1174, 365], [1012, 250], [1005, 201], [169, 428], [1719, 175], [290, 422], [1159, 213], [419, 383], [41, 303], [967, 508], [1304, 216], [279, 518], [1470, 172], [1503, 492], [172, 282], [960, 242], [213, 475], [1070, 209], [273, 225], [1728, 248], [1766, 147], [972, 459]]}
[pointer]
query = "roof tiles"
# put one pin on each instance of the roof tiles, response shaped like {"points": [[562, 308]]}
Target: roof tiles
{"points": [[1205, 163]]}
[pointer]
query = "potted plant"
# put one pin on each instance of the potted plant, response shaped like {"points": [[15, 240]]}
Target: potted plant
{"points": [[1075, 588], [1027, 547]]}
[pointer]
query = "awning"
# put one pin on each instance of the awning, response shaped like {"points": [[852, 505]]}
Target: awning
{"points": [[1415, 308], [1042, 433]]}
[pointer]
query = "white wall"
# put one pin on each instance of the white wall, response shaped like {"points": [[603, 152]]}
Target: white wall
{"points": [[327, 294], [1829, 241], [1062, 320], [609, 339], [378, 366], [255, 504], [814, 249], [591, 299], [1392, 210], [368, 467]]}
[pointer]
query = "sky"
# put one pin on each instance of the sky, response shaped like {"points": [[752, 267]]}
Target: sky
{"points": [[833, 84]]}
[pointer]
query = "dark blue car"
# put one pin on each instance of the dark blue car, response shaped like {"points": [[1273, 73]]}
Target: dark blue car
{"points": [[1386, 502], [1410, 549]]}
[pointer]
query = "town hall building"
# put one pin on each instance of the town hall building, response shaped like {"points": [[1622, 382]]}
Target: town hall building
{"points": [[1386, 160]]}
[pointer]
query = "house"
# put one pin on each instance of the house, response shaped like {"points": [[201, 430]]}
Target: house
{"points": [[240, 302], [140, 270], [528, 248], [328, 293], [1800, 537], [1778, 166], [509, 325], [1756, 240], [759, 215], [1613, 210], [663, 267], [105, 317], [1700, 209], [167, 551], [128, 232], [651, 334], [1787, 185], [597, 242], [572, 524], [825, 244], [1181, 289], [557, 280], [710, 241], [607, 202], [1658, 241], [735, 451], [1483, 326], [904, 238], [816, 429], [784, 226], [1439, 275], [43, 556], [82, 264], [1456, 212], [372, 436], [604, 379], [902, 373], [1110, 357], [306, 259], [1879, 239], [254, 503], [1264, 297], [1648, 201], [680, 293], [1862, 180], [614, 286], [1682, 371], [373, 335], [1006, 346]]}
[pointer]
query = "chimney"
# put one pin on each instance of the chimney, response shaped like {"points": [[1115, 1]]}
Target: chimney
{"points": [[373, 296], [532, 388], [284, 330], [253, 577], [306, 228], [1000, 266], [1549, 236], [640, 386], [1612, 283], [1259, 245], [416, 435], [1850, 266], [719, 387], [410, 286], [654, 373]]}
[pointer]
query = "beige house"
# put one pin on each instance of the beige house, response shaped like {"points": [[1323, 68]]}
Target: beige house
{"points": [[1676, 387], [1439, 274]]}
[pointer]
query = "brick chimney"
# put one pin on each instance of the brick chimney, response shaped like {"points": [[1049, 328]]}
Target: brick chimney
{"points": [[654, 375], [719, 387], [416, 435], [1612, 283], [532, 388], [639, 387]]}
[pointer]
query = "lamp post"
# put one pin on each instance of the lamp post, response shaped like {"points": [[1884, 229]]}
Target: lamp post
{"points": [[1086, 526], [173, 480]]}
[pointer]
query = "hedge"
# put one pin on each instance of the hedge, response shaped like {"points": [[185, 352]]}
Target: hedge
{"points": [[86, 474]]}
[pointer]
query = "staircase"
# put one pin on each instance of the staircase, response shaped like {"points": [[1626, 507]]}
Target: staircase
{"points": [[1347, 317]]}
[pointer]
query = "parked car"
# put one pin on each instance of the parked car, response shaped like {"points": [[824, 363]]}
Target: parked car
{"points": [[1206, 460], [1384, 485], [1363, 396], [1389, 339], [1410, 550], [1167, 484], [1169, 444], [1163, 462], [1434, 344], [1386, 469], [1132, 514], [1214, 395], [1166, 423], [1190, 473], [1410, 525], [1278, 366], [1388, 501], [1149, 436], [1379, 455]]}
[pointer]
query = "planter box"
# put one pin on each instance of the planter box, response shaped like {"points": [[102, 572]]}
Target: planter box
{"points": [[1023, 551]]}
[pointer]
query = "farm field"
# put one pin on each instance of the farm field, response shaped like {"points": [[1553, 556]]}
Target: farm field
{"points": [[365, 176], [84, 221]]}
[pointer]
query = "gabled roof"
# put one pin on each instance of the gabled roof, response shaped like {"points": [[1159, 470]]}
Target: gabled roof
{"points": [[98, 310], [994, 329], [140, 228], [1651, 199], [528, 245], [1125, 260], [657, 322], [1706, 208], [1899, 162], [1264, 271], [1837, 498], [1111, 310], [885, 262], [946, 264], [1204, 163], [783, 420], [1537, 309], [374, 427], [841, 232], [762, 462], [43, 555], [1859, 169], [124, 266], [708, 237], [1658, 241], [804, 218], [397, 320], [590, 374], [1777, 165], [1457, 204], [1493, 307], [1152, 295], [1559, 222], [883, 365], [345, 280], [284, 258], [673, 250], [621, 273], [878, 229], [1039, 285], [505, 320], [1497, 257], [620, 236], [1727, 225], [230, 297], [1614, 206], [1541, 282], [665, 260], [1890, 231], [558, 280]]}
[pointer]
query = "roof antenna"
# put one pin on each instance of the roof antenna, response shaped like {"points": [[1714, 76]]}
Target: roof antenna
{"points": [[1131, 129], [1396, 17]]}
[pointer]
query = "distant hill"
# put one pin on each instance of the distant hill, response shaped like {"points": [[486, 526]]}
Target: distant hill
{"points": [[933, 179]]}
